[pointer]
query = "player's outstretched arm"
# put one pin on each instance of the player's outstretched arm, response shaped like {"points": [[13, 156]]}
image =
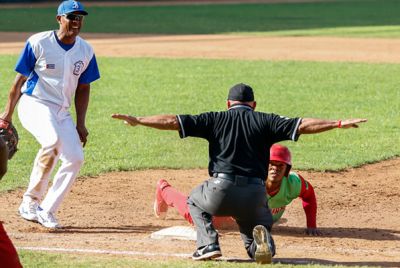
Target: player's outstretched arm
{"points": [[163, 122], [309, 201], [315, 125]]}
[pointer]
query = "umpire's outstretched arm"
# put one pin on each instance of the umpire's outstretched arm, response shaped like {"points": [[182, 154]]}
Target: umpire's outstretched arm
{"points": [[314, 125], [163, 122], [170, 122]]}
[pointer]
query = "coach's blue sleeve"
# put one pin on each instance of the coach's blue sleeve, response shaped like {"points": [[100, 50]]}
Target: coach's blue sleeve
{"points": [[91, 73], [26, 62]]}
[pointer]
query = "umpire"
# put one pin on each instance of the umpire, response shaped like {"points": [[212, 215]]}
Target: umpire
{"points": [[239, 142]]}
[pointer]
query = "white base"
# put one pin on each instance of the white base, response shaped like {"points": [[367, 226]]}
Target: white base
{"points": [[175, 232]]}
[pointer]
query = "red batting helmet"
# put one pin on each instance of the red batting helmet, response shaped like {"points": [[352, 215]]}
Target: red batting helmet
{"points": [[280, 153]]}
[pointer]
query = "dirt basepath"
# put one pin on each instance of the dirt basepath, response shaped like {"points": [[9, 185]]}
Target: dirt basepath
{"points": [[231, 47], [112, 214]]}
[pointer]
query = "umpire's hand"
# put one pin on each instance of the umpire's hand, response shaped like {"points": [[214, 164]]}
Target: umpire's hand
{"points": [[129, 120]]}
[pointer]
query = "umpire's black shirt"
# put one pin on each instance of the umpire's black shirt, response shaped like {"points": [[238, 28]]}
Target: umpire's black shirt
{"points": [[239, 138]]}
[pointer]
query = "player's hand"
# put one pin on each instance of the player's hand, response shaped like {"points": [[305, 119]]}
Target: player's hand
{"points": [[313, 232], [129, 120], [83, 133], [349, 123], [6, 117]]}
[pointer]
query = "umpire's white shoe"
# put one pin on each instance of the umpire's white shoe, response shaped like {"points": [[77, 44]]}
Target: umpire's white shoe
{"points": [[261, 237], [27, 210], [47, 219]]}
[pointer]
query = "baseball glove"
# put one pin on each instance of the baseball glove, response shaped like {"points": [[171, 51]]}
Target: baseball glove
{"points": [[10, 136]]}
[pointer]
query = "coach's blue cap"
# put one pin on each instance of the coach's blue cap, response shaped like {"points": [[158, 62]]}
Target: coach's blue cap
{"points": [[70, 6]]}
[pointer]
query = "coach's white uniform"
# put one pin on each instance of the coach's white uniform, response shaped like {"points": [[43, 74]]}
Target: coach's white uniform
{"points": [[53, 75]]}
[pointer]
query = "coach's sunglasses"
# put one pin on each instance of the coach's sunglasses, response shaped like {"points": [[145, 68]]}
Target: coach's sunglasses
{"points": [[77, 17]]}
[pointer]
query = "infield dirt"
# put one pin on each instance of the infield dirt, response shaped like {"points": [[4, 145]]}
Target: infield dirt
{"points": [[358, 214]]}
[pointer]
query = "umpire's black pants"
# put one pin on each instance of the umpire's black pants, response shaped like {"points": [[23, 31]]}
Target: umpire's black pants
{"points": [[244, 201]]}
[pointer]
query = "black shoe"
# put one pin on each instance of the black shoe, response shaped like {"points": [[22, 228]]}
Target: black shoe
{"points": [[209, 252], [261, 237]]}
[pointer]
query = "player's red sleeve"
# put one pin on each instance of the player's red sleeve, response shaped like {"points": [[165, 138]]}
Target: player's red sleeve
{"points": [[307, 195], [8, 254]]}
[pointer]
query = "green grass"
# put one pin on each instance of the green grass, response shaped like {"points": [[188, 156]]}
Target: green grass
{"points": [[31, 259], [368, 18], [161, 86]]}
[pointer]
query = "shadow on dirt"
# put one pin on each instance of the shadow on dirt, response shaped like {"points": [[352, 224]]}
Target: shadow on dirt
{"points": [[355, 233]]}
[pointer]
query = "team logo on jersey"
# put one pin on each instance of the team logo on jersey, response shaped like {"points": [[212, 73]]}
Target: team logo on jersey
{"points": [[50, 66], [78, 66], [75, 5], [275, 211]]}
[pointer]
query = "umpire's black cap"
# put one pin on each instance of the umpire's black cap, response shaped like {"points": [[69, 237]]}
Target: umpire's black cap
{"points": [[241, 92]]}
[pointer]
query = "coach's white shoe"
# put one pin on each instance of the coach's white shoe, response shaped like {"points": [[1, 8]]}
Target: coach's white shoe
{"points": [[27, 210], [47, 219]]}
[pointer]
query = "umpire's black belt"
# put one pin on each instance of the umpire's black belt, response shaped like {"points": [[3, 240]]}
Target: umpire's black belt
{"points": [[238, 179]]}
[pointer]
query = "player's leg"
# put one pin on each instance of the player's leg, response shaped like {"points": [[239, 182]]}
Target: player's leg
{"points": [[71, 157], [160, 207], [42, 124], [168, 196]]}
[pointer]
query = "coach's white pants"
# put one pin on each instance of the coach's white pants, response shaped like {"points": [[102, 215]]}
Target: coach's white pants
{"points": [[55, 130]]}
